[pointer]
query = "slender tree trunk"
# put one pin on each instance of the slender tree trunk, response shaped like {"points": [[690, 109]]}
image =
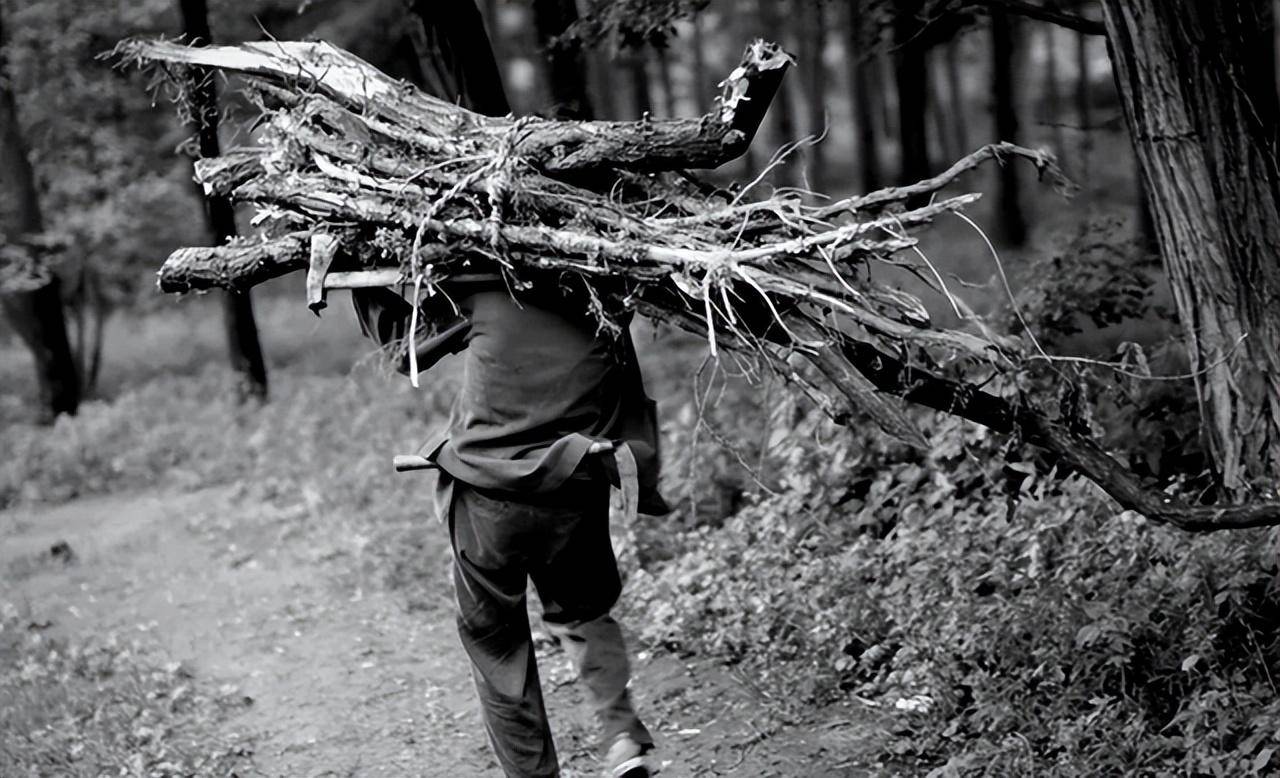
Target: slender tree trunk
{"points": [[493, 27], [36, 316], [1084, 109], [1198, 91], [1013, 225], [860, 79], [955, 97], [943, 137], [782, 111], [668, 87], [564, 66], [638, 74], [240, 327], [911, 72], [701, 89], [815, 38], [603, 75], [1052, 90]]}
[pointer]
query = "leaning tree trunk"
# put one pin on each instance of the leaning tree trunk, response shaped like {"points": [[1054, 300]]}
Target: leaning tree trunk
{"points": [[36, 315], [1198, 91], [240, 325]]}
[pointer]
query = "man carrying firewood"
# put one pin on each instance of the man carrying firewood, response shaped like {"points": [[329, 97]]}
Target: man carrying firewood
{"points": [[550, 412]]}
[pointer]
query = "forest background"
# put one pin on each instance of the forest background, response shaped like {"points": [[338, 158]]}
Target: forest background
{"points": [[1013, 619]]}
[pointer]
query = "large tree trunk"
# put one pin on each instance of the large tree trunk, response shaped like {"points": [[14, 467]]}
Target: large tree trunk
{"points": [[240, 326], [565, 69], [1198, 91], [1013, 225], [862, 83], [36, 316]]}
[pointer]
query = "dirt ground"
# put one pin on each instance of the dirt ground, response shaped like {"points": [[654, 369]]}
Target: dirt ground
{"points": [[339, 676]]}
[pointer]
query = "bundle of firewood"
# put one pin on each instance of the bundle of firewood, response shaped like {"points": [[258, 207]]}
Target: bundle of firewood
{"points": [[364, 180]]}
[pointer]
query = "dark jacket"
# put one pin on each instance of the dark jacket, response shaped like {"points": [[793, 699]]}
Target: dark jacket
{"points": [[540, 386]]}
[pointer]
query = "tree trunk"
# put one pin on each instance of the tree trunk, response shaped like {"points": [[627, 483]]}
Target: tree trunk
{"points": [[784, 123], [603, 75], [240, 326], [815, 38], [700, 86], [955, 97], [36, 316], [860, 79], [943, 138], [668, 87], [638, 73], [1013, 225], [455, 58], [1198, 91], [911, 74], [564, 66], [1084, 109], [1052, 91]]}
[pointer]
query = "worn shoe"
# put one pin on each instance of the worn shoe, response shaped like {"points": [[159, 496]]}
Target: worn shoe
{"points": [[626, 759]]}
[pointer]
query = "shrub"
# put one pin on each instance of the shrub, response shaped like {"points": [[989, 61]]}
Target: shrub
{"points": [[1032, 632]]}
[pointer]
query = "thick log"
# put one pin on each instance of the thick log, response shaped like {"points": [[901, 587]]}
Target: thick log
{"points": [[237, 266], [718, 136]]}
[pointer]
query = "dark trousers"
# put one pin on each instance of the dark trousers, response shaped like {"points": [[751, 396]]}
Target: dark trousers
{"points": [[560, 541]]}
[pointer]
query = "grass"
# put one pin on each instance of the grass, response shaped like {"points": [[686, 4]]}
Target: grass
{"points": [[103, 707]]}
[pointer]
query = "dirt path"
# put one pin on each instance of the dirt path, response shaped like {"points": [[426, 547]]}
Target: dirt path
{"points": [[339, 677]]}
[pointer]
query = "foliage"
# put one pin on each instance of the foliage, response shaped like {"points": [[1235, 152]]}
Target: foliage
{"points": [[631, 24], [1028, 633], [102, 708]]}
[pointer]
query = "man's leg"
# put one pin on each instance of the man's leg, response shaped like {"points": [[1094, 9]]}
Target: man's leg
{"points": [[578, 584], [490, 580]]}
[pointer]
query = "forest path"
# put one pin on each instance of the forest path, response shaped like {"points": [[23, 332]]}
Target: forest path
{"points": [[340, 677]]}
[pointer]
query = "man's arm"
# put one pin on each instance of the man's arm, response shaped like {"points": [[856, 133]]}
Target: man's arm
{"points": [[384, 317]]}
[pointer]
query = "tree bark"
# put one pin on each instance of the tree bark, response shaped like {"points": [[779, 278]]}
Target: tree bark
{"points": [[37, 315], [1198, 92], [241, 329], [1013, 225], [564, 66], [862, 84]]}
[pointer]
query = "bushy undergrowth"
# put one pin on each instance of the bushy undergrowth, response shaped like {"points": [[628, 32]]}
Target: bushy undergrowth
{"points": [[103, 708], [1021, 629]]}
